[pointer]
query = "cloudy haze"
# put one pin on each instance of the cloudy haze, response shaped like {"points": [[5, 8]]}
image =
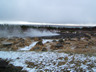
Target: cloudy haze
{"points": [[51, 11]]}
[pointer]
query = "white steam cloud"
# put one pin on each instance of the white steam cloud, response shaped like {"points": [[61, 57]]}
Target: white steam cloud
{"points": [[16, 31]]}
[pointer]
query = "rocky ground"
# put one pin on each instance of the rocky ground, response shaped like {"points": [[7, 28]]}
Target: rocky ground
{"points": [[77, 44]]}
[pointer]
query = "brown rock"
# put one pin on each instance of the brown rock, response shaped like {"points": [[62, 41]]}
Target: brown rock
{"points": [[39, 43]]}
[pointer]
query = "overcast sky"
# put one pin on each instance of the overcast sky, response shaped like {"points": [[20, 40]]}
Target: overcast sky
{"points": [[55, 11]]}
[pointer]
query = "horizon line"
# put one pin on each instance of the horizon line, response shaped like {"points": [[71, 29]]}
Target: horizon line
{"points": [[43, 23]]}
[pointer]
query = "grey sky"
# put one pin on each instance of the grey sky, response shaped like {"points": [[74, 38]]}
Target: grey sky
{"points": [[56, 11]]}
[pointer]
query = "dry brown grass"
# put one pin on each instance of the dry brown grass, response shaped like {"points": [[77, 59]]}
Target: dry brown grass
{"points": [[16, 43], [81, 47], [79, 51], [14, 47]]}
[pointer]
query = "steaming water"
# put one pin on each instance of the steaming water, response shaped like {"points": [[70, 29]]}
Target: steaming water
{"points": [[16, 31]]}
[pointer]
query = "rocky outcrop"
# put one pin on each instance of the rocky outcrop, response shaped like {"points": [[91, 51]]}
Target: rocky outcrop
{"points": [[6, 67]]}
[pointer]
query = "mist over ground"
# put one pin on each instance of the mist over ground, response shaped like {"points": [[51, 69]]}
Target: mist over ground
{"points": [[17, 31]]}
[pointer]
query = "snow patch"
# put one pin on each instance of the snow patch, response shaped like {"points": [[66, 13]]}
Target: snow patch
{"points": [[46, 40]]}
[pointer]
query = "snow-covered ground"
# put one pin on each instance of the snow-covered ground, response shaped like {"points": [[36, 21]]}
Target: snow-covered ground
{"points": [[50, 61]]}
